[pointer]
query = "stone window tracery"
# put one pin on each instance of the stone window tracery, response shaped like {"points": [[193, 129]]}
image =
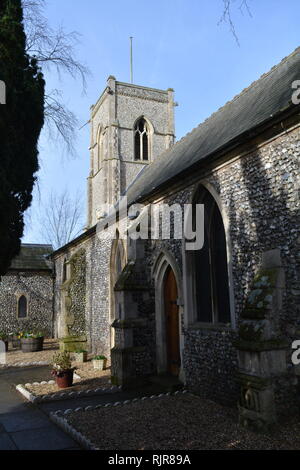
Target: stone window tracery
{"points": [[142, 140]]}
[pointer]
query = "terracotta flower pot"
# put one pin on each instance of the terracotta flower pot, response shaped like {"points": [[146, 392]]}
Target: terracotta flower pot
{"points": [[65, 379], [32, 344]]}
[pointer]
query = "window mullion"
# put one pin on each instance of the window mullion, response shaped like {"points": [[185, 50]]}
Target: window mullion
{"points": [[141, 147]]}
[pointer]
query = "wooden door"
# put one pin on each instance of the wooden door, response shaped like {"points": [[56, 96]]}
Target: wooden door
{"points": [[172, 323]]}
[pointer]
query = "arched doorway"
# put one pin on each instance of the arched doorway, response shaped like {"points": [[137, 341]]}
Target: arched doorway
{"points": [[171, 313], [117, 264], [168, 302]]}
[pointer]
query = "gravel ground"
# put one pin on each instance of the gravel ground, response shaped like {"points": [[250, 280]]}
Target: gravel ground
{"points": [[182, 422], [89, 379], [15, 356]]}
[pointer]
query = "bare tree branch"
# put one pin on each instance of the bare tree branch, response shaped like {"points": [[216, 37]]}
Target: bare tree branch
{"points": [[54, 49], [227, 15], [60, 118], [61, 219]]}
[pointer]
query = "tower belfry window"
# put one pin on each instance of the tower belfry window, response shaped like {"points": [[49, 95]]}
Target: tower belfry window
{"points": [[141, 140]]}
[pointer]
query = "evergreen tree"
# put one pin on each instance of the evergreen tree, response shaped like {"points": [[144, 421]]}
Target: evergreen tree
{"points": [[21, 121]]}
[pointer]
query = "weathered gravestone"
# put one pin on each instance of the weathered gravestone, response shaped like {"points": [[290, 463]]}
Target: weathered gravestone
{"points": [[2, 353]]}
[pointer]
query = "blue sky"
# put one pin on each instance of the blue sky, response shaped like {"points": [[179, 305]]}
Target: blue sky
{"points": [[177, 44]]}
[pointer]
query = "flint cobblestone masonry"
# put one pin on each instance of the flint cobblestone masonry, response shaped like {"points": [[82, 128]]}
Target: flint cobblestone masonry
{"points": [[258, 197], [256, 186], [96, 306], [77, 292], [38, 288]]}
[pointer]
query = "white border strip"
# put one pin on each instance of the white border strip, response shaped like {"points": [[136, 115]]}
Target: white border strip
{"points": [[62, 395], [58, 417], [76, 435]]}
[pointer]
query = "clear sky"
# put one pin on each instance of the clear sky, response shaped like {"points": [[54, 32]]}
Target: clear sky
{"points": [[178, 44]]}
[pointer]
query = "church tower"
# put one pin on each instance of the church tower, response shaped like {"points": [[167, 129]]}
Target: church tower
{"points": [[131, 126]]}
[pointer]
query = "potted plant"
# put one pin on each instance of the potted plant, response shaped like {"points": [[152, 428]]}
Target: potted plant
{"points": [[99, 362], [3, 337], [80, 355], [62, 369], [15, 340], [31, 342]]}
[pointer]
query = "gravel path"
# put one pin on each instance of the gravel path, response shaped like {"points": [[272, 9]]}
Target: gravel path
{"points": [[182, 422], [16, 355]]}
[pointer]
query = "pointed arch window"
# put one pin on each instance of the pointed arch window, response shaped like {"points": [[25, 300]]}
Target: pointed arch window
{"points": [[22, 307], [65, 270], [101, 149], [142, 140], [99, 154], [210, 266]]}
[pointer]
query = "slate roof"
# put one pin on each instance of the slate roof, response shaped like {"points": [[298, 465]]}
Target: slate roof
{"points": [[254, 106], [261, 103], [32, 258]]}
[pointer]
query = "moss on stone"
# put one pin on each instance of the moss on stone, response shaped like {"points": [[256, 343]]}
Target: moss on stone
{"points": [[262, 291], [251, 332]]}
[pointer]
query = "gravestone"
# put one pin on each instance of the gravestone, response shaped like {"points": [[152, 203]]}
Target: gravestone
{"points": [[2, 353]]}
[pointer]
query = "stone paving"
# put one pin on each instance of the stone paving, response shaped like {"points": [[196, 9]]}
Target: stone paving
{"points": [[25, 426], [22, 425]]}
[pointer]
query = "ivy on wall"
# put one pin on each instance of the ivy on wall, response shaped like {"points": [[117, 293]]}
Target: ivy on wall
{"points": [[77, 294]]}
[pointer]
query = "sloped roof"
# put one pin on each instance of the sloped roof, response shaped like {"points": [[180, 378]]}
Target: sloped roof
{"points": [[32, 258], [261, 101]]}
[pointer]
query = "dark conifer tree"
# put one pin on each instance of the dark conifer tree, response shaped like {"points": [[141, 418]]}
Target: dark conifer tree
{"points": [[21, 121]]}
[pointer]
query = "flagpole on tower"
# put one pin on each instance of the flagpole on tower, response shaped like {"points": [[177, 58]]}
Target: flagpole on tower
{"points": [[131, 60]]}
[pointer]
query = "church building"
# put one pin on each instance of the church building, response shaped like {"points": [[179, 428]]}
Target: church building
{"points": [[223, 318]]}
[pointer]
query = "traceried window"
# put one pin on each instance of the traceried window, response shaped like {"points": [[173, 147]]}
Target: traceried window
{"points": [[142, 140], [22, 307], [212, 286]]}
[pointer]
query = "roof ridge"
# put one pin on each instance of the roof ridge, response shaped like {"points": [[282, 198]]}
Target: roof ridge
{"points": [[263, 76]]}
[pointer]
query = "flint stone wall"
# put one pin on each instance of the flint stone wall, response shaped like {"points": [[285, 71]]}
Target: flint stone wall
{"points": [[259, 194], [38, 288], [96, 292]]}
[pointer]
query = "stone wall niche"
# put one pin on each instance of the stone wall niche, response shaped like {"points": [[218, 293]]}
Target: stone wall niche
{"points": [[262, 348]]}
